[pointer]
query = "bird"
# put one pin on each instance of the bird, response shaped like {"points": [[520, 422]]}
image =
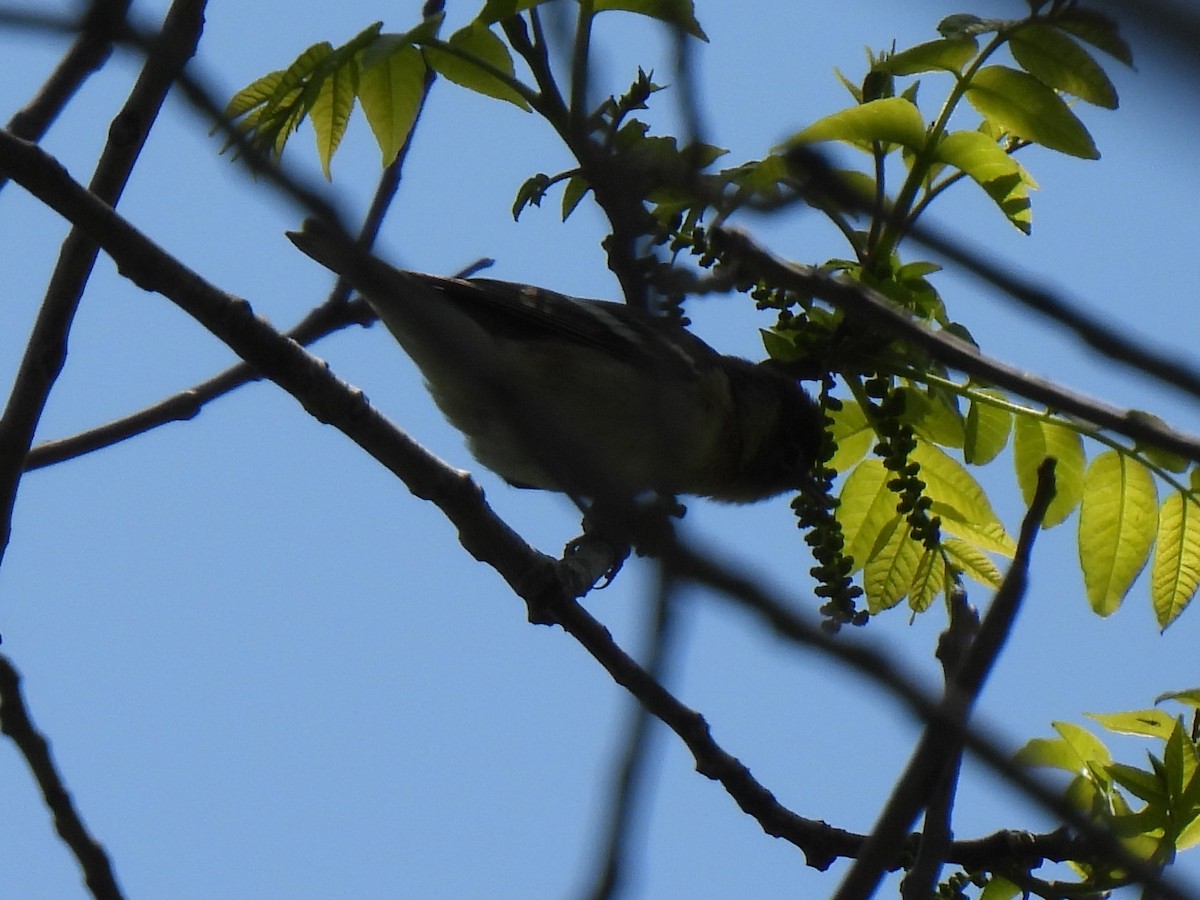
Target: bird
{"points": [[589, 398]]}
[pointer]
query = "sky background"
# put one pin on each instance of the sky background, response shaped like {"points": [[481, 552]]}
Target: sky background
{"points": [[268, 671]]}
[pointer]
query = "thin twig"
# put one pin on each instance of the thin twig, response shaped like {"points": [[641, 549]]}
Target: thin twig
{"points": [[46, 350], [15, 722], [92, 46], [937, 834], [630, 772]]}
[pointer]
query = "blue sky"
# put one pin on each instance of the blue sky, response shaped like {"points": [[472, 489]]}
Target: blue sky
{"points": [[268, 670]]}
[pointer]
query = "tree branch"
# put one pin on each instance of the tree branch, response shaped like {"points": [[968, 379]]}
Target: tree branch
{"points": [[16, 724], [630, 771], [103, 20], [335, 313], [870, 306], [938, 745], [46, 350]]}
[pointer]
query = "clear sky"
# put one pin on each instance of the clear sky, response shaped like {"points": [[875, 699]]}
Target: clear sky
{"points": [[267, 670]]}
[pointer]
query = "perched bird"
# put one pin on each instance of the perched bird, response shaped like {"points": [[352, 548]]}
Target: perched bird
{"points": [[586, 397]]}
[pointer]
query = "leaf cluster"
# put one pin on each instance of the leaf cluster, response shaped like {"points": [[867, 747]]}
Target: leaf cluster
{"points": [[1155, 809]]}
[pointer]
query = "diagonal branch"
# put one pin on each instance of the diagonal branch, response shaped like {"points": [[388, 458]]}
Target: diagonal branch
{"points": [[630, 773], [16, 724], [87, 54], [862, 302], [335, 313], [938, 745], [47, 348]]}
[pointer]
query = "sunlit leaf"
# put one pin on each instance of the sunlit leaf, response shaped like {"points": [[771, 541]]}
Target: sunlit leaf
{"points": [[973, 562], [948, 54], [999, 888], [987, 430], [475, 53], [1050, 753], [391, 90], [1089, 748], [1024, 106], [1142, 722], [1117, 523], [330, 113], [891, 566], [927, 581], [1190, 697], [1034, 439], [967, 24], [853, 434], [892, 120], [254, 94], [866, 507], [1175, 573], [960, 501], [933, 418], [987, 164]]}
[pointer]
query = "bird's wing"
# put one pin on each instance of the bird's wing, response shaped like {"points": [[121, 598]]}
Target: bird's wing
{"points": [[519, 311]]}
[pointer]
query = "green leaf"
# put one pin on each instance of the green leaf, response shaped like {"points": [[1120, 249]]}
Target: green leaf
{"points": [[1189, 835], [1175, 573], [1116, 527], [966, 24], [1049, 753], [948, 54], [1179, 761], [680, 13], [254, 94], [853, 435], [1156, 455], [1098, 30], [330, 113], [891, 566], [391, 89], [576, 189], [1056, 60], [495, 10], [1024, 106], [999, 888], [866, 507], [1142, 722], [1034, 439], [1190, 697], [1142, 784], [973, 562], [960, 501], [933, 417], [987, 430], [1089, 748], [927, 581], [987, 164], [893, 120], [480, 60]]}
